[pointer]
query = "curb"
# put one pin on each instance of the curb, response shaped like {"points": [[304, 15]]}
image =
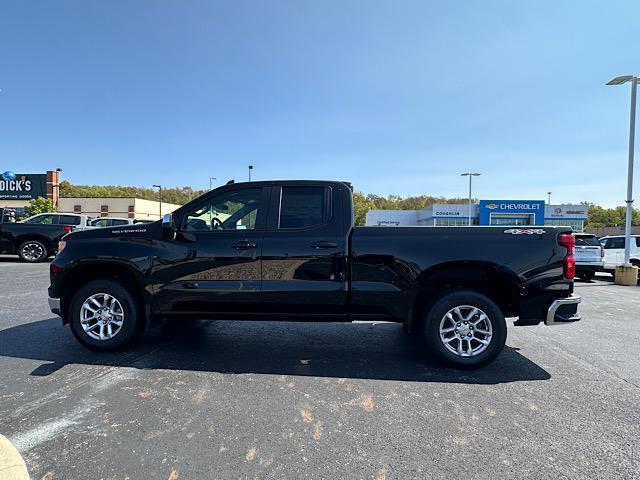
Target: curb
{"points": [[12, 466]]}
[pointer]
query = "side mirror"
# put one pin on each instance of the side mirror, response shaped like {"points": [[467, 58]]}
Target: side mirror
{"points": [[168, 222]]}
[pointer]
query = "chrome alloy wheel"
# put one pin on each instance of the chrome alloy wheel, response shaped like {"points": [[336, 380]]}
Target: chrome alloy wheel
{"points": [[32, 251], [466, 331], [101, 316]]}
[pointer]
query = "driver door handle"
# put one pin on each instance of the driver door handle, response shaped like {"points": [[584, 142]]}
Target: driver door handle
{"points": [[243, 244], [323, 244]]}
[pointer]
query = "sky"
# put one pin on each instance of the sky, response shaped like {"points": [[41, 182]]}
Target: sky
{"points": [[397, 97]]}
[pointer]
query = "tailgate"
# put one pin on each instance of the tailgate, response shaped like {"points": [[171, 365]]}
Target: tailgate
{"points": [[587, 254]]}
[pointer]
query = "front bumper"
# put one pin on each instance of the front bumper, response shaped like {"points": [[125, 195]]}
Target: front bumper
{"points": [[563, 310], [54, 305]]}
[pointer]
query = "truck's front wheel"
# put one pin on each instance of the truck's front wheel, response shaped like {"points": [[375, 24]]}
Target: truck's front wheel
{"points": [[465, 329], [105, 316]]}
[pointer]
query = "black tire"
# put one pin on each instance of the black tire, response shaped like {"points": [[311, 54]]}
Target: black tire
{"points": [[460, 298], [33, 251], [587, 276], [132, 324]]}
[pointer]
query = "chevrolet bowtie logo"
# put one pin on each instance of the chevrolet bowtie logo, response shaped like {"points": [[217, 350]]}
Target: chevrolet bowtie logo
{"points": [[491, 206]]}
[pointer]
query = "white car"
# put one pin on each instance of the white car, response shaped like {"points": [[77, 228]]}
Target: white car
{"points": [[614, 251], [102, 222], [77, 221], [589, 256]]}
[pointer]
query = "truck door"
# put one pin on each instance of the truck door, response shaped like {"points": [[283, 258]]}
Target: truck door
{"points": [[213, 264], [304, 266]]}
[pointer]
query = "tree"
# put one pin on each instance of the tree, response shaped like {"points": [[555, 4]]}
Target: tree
{"points": [[39, 205]]}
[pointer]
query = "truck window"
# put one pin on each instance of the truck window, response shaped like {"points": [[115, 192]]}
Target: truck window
{"points": [[68, 220], [44, 219], [230, 210], [587, 241], [120, 222], [302, 207], [615, 242]]}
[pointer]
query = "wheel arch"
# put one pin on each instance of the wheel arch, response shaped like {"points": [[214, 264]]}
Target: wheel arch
{"points": [[498, 283], [87, 272], [25, 237]]}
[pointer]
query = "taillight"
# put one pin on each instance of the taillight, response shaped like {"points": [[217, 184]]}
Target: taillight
{"points": [[569, 261], [68, 228], [601, 252]]}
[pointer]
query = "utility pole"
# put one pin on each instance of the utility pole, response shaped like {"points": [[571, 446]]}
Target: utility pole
{"points": [[250, 168], [470, 175], [632, 130], [211, 179], [549, 194]]}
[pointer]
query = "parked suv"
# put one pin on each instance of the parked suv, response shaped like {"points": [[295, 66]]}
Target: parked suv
{"points": [[614, 251], [103, 222], [589, 256]]}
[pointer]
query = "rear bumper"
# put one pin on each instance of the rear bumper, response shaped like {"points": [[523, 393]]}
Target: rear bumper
{"points": [[589, 267], [54, 305], [563, 310]]}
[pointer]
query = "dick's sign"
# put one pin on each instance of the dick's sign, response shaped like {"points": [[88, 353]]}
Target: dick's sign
{"points": [[23, 186]]}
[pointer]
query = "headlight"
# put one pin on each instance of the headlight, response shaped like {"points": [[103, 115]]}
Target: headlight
{"points": [[61, 246]]}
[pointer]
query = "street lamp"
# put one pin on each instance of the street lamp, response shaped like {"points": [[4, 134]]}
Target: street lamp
{"points": [[159, 187], [250, 168], [632, 127], [549, 195], [211, 179], [470, 175]]}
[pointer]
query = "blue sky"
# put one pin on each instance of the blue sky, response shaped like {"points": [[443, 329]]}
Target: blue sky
{"points": [[398, 97]]}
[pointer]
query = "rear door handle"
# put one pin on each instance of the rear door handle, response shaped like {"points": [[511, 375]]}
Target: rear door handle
{"points": [[323, 244], [243, 244]]}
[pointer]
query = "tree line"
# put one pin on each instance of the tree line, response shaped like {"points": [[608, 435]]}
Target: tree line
{"points": [[598, 216], [176, 195]]}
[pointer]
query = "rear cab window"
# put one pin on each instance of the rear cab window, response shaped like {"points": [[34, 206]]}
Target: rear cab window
{"points": [[304, 207]]}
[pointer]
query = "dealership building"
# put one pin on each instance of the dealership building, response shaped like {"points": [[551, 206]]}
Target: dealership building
{"points": [[486, 212]]}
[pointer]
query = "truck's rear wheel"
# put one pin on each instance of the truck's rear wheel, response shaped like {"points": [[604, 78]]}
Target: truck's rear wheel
{"points": [[465, 329], [32, 251], [104, 316]]}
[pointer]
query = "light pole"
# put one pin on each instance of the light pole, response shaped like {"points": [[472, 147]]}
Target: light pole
{"points": [[250, 168], [632, 127], [549, 195], [470, 175], [159, 187], [211, 179]]}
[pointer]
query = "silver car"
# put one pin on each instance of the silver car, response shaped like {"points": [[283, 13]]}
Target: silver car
{"points": [[589, 255]]}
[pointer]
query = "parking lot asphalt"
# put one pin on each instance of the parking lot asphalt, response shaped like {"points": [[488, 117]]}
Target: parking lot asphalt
{"points": [[224, 399]]}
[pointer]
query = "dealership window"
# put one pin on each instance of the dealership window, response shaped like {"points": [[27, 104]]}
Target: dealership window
{"points": [[104, 208], [454, 222], [132, 208], [576, 225], [77, 209], [512, 219]]}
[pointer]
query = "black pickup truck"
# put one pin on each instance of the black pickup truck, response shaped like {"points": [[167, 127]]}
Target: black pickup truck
{"points": [[32, 242], [289, 250]]}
